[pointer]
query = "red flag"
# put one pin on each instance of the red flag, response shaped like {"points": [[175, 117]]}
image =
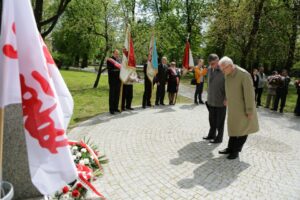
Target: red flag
{"points": [[188, 60], [128, 68]]}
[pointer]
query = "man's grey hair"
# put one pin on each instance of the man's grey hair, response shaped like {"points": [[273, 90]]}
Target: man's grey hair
{"points": [[164, 58], [213, 57], [226, 61]]}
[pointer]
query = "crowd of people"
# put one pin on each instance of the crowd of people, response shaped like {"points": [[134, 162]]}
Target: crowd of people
{"points": [[277, 88], [277, 85]]}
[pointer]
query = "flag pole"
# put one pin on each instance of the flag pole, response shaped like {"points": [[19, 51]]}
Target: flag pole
{"points": [[1, 143], [121, 96]]}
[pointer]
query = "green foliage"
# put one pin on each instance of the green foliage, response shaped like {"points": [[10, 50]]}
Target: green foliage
{"points": [[225, 27]]}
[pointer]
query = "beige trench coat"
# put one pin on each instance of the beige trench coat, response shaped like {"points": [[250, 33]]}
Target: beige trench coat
{"points": [[240, 101]]}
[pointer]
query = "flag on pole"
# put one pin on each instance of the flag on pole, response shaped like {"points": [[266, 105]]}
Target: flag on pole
{"points": [[188, 60], [128, 68], [152, 64], [28, 75]]}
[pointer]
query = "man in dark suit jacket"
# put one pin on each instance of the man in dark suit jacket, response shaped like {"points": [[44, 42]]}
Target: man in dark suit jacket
{"points": [[160, 80], [113, 66], [147, 89]]}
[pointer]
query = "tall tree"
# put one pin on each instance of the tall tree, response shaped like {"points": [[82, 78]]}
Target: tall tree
{"points": [[46, 26], [294, 8], [258, 8]]}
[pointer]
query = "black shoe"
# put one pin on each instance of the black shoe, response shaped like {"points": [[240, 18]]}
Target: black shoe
{"points": [[215, 141], [162, 104], [144, 107], [224, 151], [129, 108], [112, 112], [233, 156], [201, 102], [208, 138], [156, 104], [281, 111], [195, 102], [149, 105]]}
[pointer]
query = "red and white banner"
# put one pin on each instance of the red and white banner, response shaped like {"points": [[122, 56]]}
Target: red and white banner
{"points": [[188, 60], [28, 75], [128, 68]]}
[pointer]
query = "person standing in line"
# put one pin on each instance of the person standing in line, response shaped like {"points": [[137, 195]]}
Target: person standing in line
{"points": [[255, 79], [215, 100], [127, 95], [242, 115], [173, 76], [160, 80], [272, 84], [261, 85], [113, 66], [282, 91], [200, 71], [147, 89]]}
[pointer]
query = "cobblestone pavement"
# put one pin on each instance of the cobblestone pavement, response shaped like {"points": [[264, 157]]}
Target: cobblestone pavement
{"points": [[158, 153]]}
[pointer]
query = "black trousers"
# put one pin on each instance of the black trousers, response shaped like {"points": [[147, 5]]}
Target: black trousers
{"points": [[259, 94], [216, 120], [160, 93], [147, 93], [235, 144], [198, 92], [280, 96], [127, 96], [114, 91]]}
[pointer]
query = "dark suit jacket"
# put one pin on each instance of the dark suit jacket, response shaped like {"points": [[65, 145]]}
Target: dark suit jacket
{"points": [[161, 76]]}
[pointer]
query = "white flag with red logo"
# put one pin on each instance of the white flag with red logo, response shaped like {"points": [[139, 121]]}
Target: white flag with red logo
{"points": [[128, 68], [28, 75]]}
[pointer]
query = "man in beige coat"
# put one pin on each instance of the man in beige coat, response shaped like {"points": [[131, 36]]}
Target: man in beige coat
{"points": [[242, 116]]}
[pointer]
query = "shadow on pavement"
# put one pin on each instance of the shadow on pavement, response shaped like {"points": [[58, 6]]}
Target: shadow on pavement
{"points": [[188, 106], [195, 152], [166, 109], [215, 174], [106, 118]]}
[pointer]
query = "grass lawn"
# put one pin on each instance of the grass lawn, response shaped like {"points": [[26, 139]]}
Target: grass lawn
{"points": [[290, 102], [90, 102]]}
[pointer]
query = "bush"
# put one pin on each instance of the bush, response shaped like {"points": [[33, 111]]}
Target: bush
{"points": [[62, 59]]}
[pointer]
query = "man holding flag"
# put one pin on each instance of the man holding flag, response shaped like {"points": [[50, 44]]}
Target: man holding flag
{"points": [[128, 73], [113, 66], [150, 70], [29, 76]]}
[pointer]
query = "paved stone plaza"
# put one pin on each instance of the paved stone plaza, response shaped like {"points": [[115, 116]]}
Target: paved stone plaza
{"points": [[158, 153]]}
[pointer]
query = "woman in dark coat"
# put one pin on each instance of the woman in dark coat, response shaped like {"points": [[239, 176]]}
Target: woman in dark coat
{"points": [[297, 108], [255, 79], [173, 82]]}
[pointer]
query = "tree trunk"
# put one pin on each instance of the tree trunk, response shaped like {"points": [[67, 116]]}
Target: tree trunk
{"points": [[253, 33], [106, 37], [84, 62], [293, 38], [76, 61], [100, 71], [38, 13]]}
